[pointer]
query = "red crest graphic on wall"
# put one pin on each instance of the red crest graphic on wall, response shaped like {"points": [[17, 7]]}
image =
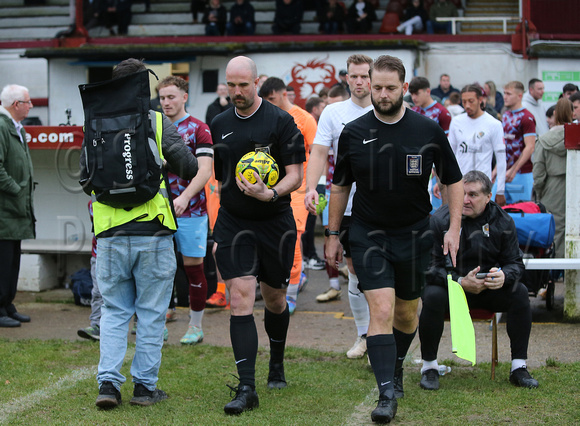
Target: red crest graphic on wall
{"points": [[309, 79]]}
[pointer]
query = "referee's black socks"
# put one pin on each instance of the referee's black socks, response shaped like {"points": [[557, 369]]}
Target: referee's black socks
{"points": [[244, 337], [276, 326], [382, 352], [403, 341]]}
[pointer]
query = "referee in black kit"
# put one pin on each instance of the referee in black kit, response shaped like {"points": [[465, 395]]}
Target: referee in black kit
{"points": [[389, 153], [255, 230]]}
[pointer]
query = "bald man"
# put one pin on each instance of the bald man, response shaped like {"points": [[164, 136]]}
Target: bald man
{"points": [[255, 230]]}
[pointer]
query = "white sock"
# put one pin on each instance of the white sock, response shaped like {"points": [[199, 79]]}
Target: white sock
{"points": [[334, 283], [518, 363], [430, 365], [358, 305], [195, 318], [292, 291]]}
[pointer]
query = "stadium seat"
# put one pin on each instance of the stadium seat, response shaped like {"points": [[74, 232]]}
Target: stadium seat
{"points": [[390, 23], [486, 315]]}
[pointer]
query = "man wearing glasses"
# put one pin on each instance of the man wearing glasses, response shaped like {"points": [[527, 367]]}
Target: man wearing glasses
{"points": [[16, 210]]}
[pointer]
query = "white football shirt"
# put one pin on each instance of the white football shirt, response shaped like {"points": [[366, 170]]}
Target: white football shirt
{"points": [[474, 141], [330, 124]]}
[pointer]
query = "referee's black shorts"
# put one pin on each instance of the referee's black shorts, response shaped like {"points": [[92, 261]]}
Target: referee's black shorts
{"points": [[262, 248], [395, 258]]}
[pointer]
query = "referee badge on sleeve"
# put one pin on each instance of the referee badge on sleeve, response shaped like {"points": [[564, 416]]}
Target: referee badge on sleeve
{"points": [[414, 165]]}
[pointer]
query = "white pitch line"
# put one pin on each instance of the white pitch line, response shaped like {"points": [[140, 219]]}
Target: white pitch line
{"points": [[362, 412], [27, 402]]}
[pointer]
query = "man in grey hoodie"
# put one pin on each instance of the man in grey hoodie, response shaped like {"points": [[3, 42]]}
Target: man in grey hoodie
{"points": [[532, 101]]}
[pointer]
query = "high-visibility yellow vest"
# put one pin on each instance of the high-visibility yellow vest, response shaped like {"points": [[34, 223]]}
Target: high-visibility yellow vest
{"points": [[107, 217]]}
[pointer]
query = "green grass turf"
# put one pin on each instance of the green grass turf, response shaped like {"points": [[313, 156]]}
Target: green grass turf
{"points": [[53, 382]]}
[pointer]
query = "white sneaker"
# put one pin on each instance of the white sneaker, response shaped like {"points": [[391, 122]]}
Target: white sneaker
{"points": [[328, 295], [358, 349]]}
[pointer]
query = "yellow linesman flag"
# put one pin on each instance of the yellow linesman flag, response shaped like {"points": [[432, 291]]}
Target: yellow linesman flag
{"points": [[462, 332]]}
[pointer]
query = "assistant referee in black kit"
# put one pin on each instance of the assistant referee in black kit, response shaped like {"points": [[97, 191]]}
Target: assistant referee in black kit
{"points": [[389, 153], [255, 230]]}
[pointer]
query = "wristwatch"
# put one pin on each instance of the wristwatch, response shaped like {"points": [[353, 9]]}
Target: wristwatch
{"points": [[275, 196], [328, 232]]}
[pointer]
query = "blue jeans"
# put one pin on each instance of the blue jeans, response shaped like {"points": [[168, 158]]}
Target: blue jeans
{"points": [[135, 275], [96, 299]]}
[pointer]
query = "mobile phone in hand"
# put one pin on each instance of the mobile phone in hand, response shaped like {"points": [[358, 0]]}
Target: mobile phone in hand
{"points": [[481, 275]]}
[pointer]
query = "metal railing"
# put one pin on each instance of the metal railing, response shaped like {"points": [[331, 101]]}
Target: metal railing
{"points": [[455, 20]]}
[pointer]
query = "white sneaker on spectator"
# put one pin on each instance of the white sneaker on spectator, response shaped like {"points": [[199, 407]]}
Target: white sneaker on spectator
{"points": [[328, 295], [358, 349]]}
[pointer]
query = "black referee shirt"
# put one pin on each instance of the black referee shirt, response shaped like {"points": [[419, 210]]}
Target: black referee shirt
{"points": [[233, 137], [391, 165]]}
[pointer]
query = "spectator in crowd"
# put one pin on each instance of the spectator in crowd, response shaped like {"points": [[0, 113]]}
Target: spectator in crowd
{"points": [[568, 90], [275, 92], [16, 189], [494, 97], [92, 332], [241, 19], [550, 171], [290, 94], [441, 9], [519, 128], [444, 89], [332, 17], [155, 104], [197, 7], [215, 17], [487, 107], [453, 104], [219, 105], [488, 244], [288, 17], [532, 101], [331, 124], [91, 14], [476, 138], [360, 17], [323, 94], [425, 105], [550, 116], [189, 199], [261, 79], [337, 94], [342, 81], [113, 12], [575, 99], [414, 18], [314, 106]]}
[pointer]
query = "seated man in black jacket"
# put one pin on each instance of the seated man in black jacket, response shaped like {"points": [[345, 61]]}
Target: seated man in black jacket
{"points": [[288, 17], [488, 244], [242, 20]]}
